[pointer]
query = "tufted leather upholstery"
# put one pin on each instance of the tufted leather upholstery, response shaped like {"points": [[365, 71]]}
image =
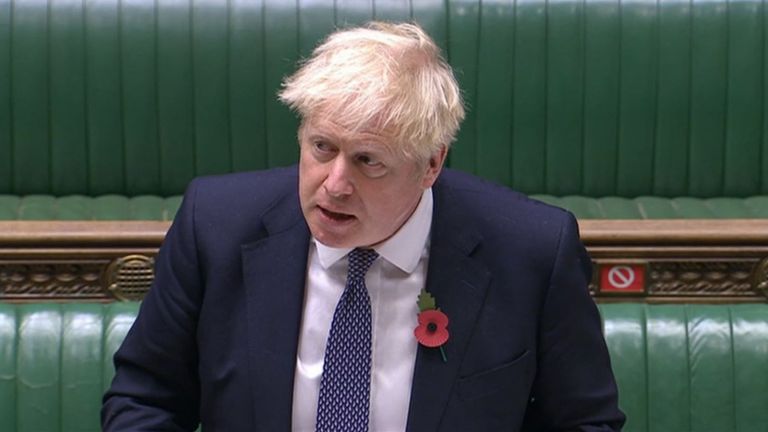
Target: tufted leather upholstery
{"points": [[591, 98], [690, 367], [55, 363], [679, 367]]}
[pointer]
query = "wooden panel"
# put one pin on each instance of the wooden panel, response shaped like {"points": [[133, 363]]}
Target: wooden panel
{"points": [[690, 261]]}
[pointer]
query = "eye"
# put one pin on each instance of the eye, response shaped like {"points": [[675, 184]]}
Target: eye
{"points": [[368, 161], [371, 166], [323, 150], [322, 146]]}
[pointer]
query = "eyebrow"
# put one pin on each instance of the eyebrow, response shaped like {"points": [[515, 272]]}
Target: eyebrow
{"points": [[372, 144]]}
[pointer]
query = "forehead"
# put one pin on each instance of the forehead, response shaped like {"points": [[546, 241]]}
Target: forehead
{"points": [[342, 135]]}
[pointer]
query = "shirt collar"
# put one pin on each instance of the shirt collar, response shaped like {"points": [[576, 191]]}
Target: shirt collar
{"points": [[403, 249]]}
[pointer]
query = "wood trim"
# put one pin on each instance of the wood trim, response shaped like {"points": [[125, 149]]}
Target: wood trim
{"points": [[594, 232], [678, 232], [691, 261], [82, 233]]}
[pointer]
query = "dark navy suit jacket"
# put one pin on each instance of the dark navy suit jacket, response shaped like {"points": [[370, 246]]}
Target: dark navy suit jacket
{"points": [[216, 338]]}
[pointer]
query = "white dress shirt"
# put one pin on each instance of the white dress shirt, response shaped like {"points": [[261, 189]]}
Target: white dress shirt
{"points": [[394, 282]]}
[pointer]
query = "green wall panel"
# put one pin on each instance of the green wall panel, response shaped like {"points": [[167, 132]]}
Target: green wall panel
{"points": [[601, 96], [138, 25], [353, 12], [565, 76], [6, 126], [281, 53], [69, 153], [673, 99], [29, 69], [709, 56], [743, 110], [493, 103], [247, 115], [175, 104], [634, 162], [764, 96], [106, 149], [585, 97], [529, 105], [462, 52], [433, 16], [392, 10], [316, 19], [210, 63]]}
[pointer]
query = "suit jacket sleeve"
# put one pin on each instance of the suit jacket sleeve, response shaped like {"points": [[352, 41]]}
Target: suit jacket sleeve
{"points": [[574, 388], [156, 385]]}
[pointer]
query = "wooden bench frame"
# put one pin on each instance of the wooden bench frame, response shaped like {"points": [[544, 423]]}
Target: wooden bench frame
{"points": [[713, 261]]}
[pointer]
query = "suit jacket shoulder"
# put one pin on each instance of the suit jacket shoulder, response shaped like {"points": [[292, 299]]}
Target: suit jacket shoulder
{"points": [[245, 207], [507, 221]]}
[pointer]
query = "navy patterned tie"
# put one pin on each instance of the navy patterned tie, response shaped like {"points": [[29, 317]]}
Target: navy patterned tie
{"points": [[346, 383]]}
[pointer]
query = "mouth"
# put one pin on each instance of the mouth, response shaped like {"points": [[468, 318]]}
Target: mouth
{"points": [[336, 216]]}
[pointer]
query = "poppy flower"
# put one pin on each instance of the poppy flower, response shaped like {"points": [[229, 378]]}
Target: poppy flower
{"points": [[432, 331]]}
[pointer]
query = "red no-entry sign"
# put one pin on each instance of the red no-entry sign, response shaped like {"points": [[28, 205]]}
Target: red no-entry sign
{"points": [[622, 278]]}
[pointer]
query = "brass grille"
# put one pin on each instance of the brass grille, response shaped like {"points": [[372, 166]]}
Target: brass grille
{"points": [[129, 277]]}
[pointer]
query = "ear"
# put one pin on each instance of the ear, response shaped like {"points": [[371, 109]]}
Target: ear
{"points": [[434, 166]]}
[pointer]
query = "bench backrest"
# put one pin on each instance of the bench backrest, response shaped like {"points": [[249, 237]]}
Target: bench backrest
{"points": [[679, 367], [583, 97]]}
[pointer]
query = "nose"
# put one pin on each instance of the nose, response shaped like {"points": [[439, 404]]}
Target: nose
{"points": [[338, 183]]}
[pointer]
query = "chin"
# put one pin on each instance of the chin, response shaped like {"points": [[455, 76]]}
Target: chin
{"points": [[331, 239]]}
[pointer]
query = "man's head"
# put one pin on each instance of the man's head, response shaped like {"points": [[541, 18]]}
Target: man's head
{"points": [[379, 108]]}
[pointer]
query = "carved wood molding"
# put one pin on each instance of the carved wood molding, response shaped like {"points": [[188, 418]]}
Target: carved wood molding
{"points": [[78, 260], [634, 260]]}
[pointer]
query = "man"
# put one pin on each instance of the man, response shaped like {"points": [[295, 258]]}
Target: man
{"points": [[287, 299]]}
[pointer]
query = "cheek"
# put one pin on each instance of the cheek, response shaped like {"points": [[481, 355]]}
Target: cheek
{"points": [[394, 205], [309, 174], [307, 186]]}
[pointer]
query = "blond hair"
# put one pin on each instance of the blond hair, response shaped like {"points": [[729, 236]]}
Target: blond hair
{"points": [[385, 77]]}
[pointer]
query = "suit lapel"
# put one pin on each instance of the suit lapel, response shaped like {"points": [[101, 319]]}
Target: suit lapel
{"points": [[274, 270], [459, 283]]}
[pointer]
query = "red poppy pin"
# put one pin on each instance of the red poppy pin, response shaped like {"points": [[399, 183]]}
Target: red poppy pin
{"points": [[432, 331]]}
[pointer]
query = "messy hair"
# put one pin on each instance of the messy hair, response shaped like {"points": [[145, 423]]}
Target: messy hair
{"points": [[383, 76]]}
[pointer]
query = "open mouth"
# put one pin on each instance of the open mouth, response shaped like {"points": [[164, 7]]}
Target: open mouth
{"points": [[339, 217]]}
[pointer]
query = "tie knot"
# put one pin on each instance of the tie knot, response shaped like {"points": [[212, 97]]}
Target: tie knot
{"points": [[360, 261]]}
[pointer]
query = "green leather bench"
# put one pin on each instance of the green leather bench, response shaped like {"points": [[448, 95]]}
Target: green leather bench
{"points": [[613, 109], [679, 367]]}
